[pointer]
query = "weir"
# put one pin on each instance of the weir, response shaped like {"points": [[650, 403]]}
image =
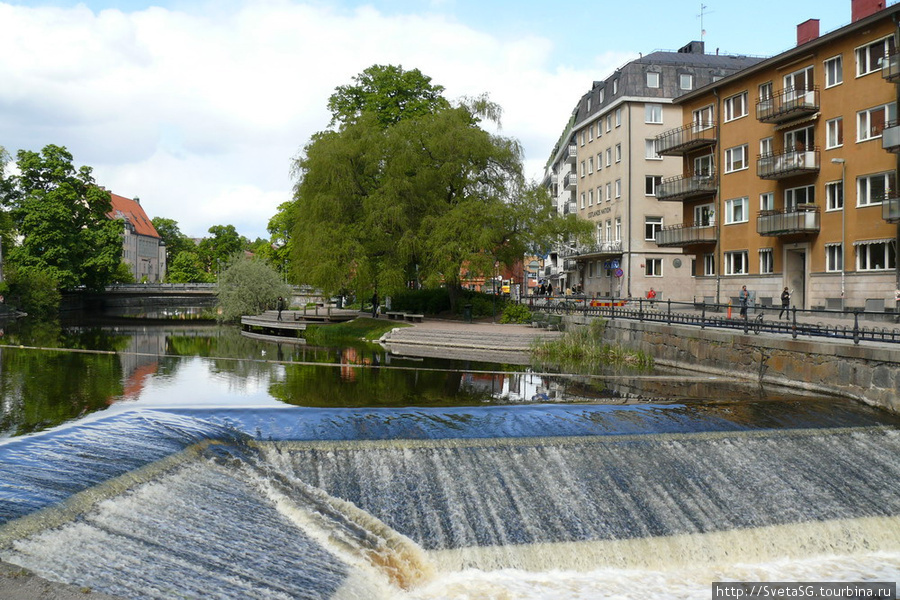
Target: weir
{"points": [[279, 512]]}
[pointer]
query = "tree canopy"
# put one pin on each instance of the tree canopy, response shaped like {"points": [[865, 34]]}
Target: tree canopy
{"points": [[417, 192], [61, 217]]}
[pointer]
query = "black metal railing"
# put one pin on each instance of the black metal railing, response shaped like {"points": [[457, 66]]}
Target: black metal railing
{"points": [[788, 104], [687, 187], [686, 138], [780, 165], [856, 325], [686, 235], [801, 219]]}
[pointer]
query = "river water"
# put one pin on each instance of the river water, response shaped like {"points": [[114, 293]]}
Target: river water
{"points": [[193, 462]]}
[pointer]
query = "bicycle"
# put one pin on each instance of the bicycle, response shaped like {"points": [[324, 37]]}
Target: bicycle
{"points": [[757, 324]]}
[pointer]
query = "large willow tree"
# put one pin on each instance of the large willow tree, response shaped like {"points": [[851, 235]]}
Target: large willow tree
{"points": [[408, 187]]}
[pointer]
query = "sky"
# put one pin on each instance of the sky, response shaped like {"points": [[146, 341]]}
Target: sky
{"points": [[199, 108]]}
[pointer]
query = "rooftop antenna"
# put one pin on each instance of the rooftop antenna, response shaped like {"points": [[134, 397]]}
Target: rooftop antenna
{"points": [[703, 11]]}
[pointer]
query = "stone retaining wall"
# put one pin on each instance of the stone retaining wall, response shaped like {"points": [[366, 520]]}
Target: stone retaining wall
{"points": [[866, 372]]}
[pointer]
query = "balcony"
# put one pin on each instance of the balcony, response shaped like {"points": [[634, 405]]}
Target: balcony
{"points": [[681, 188], [890, 136], [890, 67], [570, 182], [599, 249], [569, 208], [572, 154], [802, 219], [787, 164], [890, 208], [680, 141], [686, 235], [787, 105]]}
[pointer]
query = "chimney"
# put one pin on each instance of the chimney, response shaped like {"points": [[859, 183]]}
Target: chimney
{"points": [[860, 9], [807, 31]]}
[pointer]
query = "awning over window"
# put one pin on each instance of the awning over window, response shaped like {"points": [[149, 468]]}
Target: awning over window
{"points": [[870, 242]]}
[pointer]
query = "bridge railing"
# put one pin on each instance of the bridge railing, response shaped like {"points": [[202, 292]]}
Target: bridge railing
{"points": [[856, 325]]}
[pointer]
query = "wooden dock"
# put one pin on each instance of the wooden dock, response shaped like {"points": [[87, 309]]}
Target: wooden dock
{"points": [[293, 322]]}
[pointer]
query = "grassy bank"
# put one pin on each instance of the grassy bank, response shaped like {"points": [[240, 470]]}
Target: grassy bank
{"points": [[585, 346], [361, 328]]}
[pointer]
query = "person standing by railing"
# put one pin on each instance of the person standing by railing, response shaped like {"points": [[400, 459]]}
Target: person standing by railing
{"points": [[785, 304], [744, 298]]}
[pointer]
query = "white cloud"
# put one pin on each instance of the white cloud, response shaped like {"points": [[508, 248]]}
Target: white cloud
{"points": [[200, 113]]}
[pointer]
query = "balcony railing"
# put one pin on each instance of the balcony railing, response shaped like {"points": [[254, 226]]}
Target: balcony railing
{"points": [[788, 104], [890, 136], [890, 67], [609, 248], [678, 142], [686, 235], [569, 208], [890, 208], [570, 181], [804, 218], [782, 165], [691, 187], [572, 154]]}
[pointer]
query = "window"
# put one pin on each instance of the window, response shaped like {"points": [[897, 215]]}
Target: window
{"points": [[834, 195], [869, 123], [618, 152], [582, 168], [798, 83], [736, 159], [834, 133], [600, 99], [736, 263], [869, 58], [876, 256], [591, 165], [703, 118], [615, 87], [590, 197], [600, 128], [599, 232], [582, 199], [599, 160], [618, 229], [709, 264], [799, 140], [608, 192], [834, 257], [703, 166], [686, 81], [799, 195], [766, 262], [589, 104], [705, 215], [765, 97], [608, 156], [872, 189], [618, 188], [765, 147], [736, 211], [653, 267], [767, 201], [652, 226], [618, 117], [735, 107], [590, 134], [651, 182], [608, 123], [834, 71], [650, 150], [609, 237], [652, 80], [653, 113]]}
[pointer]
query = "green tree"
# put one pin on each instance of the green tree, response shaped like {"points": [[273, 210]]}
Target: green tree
{"points": [[214, 252], [280, 228], [248, 286], [382, 202], [387, 92], [62, 220], [186, 268], [173, 238]]}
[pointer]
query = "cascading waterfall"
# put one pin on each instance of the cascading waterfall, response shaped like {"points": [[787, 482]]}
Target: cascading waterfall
{"points": [[402, 518]]}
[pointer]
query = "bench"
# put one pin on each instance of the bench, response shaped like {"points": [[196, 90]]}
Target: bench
{"points": [[396, 316], [539, 319], [415, 318], [554, 323]]}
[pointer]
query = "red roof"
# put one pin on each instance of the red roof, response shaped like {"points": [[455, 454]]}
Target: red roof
{"points": [[125, 208]]}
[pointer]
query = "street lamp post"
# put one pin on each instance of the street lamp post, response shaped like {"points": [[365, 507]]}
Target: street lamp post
{"points": [[843, 163]]}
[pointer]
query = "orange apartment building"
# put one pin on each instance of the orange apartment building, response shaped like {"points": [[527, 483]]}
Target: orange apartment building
{"points": [[790, 171]]}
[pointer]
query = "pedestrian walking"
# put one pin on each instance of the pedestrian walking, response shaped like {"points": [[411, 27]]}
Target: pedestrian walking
{"points": [[280, 306], [375, 305], [744, 298], [785, 304]]}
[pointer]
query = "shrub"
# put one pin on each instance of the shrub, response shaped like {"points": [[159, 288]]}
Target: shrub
{"points": [[516, 313]]}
